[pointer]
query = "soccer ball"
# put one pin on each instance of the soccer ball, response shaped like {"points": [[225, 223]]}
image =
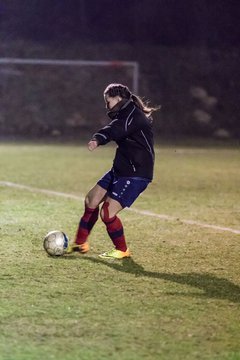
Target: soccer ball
{"points": [[55, 243]]}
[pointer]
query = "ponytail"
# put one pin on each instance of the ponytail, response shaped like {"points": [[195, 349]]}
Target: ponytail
{"points": [[123, 91], [143, 106]]}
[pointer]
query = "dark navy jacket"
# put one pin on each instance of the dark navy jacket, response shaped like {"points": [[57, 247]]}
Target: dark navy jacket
{"points": [[131, 129]]}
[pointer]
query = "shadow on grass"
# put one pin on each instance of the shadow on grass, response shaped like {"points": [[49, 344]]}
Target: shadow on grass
{"points": [[213, 287]]}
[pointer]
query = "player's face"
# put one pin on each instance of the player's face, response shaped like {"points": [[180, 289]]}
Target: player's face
{"points": [[111, 101]]}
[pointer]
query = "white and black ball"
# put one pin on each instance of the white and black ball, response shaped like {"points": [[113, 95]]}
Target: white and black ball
{"points": [[55, 243]]}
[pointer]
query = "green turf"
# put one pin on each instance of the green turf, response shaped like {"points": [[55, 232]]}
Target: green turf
{"points": [[177, 298]]}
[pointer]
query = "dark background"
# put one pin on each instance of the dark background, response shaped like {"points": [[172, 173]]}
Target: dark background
{"points": [[188, 52], [165, 22]]}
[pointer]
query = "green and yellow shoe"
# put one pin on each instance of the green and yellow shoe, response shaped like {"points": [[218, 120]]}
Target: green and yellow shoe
{"points": [[115, 254]]}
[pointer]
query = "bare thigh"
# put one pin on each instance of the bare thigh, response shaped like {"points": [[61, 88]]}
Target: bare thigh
{"points": [[95, 196]]}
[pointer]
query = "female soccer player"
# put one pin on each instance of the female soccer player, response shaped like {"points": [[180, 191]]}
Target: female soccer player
{"points": [[131, 128]]}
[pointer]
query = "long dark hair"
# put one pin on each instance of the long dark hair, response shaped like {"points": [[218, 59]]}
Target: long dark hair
{"points": [[123, 91]]}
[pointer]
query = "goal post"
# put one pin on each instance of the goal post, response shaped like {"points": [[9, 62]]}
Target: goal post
{"points": [[46, 96], [56, 62]]}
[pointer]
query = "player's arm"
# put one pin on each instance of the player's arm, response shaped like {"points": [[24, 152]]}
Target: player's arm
{"points": [[115, 131]]}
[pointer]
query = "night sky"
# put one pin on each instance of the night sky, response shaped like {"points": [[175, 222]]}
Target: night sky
{"points": [[159, 22]]}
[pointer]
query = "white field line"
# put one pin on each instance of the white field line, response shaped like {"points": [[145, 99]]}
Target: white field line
{"points": [[137, 211]]}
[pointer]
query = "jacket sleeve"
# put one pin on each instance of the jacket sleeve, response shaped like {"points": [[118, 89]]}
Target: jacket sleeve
{"points": [[117, 130]]}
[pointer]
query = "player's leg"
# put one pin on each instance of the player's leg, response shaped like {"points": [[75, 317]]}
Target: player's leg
{"points": [[92, 200], [109, 211], [123, 193]]}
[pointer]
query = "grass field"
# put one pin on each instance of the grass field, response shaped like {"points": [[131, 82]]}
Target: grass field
{"points": [[176, 298]]}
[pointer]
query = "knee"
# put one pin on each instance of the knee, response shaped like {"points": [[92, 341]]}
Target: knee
{"points": [[104, 213], [90, 202], [87, 201]]}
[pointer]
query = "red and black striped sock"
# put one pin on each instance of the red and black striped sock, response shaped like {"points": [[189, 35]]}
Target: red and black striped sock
{"points": [[86, 224], [116, 233]]}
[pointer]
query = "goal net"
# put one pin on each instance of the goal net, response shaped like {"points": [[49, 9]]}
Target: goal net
{"points": [[57, 97]]}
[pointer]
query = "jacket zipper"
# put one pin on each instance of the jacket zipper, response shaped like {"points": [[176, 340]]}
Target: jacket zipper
{"points": [[133, 166]]}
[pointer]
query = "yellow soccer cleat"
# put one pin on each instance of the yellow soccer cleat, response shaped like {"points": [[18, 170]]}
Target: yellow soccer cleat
{"points": [[115, 254]]}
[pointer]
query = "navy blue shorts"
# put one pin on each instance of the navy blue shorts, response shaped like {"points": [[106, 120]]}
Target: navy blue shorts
{"points": [[123, 189]]}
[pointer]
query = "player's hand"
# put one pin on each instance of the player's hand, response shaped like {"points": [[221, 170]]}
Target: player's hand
{"points": [[92, 145]]}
